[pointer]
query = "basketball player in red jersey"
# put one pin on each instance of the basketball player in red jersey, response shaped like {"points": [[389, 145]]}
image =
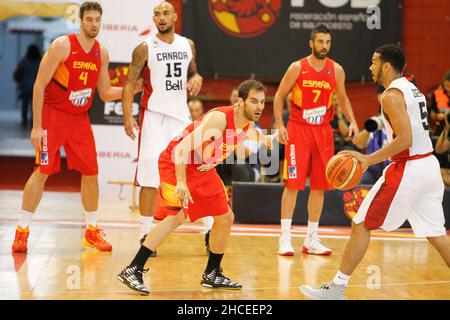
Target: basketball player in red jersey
{"points": [[190, 185], [70, 70], [309, 137]]}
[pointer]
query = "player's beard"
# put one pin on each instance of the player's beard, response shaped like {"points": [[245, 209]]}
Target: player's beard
{"points": [[319, 54], [250, 116], [166, 31], [90, 34], [379, 77]]}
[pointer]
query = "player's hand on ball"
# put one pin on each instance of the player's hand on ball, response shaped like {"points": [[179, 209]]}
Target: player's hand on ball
{"points": [[183, 194], [130, 125], [36, 138], [362, 158], [195, 84]]}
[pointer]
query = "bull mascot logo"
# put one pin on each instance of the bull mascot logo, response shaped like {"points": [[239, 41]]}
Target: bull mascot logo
{"points": [[245, 18], [353, 199]]}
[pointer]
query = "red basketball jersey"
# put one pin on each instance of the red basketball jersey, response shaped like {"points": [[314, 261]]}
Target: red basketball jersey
{"points": [[213, 151], [312, 94], [73, 84]]}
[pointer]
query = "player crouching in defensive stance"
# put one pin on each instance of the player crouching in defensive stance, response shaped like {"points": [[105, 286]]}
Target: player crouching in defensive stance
{"points": [[190, 185]]}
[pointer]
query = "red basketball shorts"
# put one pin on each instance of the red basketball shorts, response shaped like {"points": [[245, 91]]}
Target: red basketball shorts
{"points": [[74, 133], [306, 155], [206, 188]]}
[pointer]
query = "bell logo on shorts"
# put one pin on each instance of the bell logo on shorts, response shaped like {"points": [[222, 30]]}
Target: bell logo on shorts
{"points": [[80, 98], [245, 18]]}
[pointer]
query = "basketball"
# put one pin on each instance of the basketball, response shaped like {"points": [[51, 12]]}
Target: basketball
{"points": [[343, 172]]}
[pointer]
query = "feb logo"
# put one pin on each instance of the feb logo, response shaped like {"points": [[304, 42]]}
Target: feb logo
{"points": [[245, 18]]}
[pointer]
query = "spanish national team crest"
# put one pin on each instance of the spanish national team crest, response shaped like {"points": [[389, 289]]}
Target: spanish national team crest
{"points": [[245, 18], [353, 199]]}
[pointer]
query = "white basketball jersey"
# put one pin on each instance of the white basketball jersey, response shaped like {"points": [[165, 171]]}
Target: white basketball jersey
{"points": [[165, 77], [418, 116]]}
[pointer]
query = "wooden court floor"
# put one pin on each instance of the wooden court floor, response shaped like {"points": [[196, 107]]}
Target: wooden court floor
{"points": [[57, 266]]}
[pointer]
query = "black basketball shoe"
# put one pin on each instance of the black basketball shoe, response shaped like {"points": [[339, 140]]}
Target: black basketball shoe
{"points": [[215, 279], [132, 277]]}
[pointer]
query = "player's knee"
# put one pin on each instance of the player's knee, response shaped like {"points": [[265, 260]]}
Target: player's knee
{"points": [[179, 219], [436, 241], [91, 180], [40, 177], [225, 219], [358, 228]]}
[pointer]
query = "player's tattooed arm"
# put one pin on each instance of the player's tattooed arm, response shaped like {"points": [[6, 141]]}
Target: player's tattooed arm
{"points": [[195, 80], [138, 62]]}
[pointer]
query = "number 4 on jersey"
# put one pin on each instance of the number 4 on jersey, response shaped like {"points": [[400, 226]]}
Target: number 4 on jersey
{"points": [[84, 77]]}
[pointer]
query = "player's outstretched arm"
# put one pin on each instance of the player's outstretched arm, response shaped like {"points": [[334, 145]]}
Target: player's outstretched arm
{"points": [[138, 61], [254, 134], [344, 102], [393, 104], [56, 53], [285, 86], [105, 90], [195, 80]]}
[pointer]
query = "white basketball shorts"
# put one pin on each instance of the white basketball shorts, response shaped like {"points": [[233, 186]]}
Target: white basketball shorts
{"points": [[157, 130], [408, 190]]}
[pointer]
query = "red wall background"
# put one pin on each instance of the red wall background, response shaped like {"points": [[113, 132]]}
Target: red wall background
{"points": [[425, 39]]}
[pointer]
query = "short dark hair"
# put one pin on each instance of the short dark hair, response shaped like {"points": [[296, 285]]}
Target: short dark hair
{"points": [[447, 75], [247, 85], [90, 6], [392, 54], [321, 28]]}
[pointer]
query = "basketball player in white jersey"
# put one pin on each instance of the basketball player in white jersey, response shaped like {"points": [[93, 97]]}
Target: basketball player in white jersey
{"points": [[166, 61], [411, 187]]}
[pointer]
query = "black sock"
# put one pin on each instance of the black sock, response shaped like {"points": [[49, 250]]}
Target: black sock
{"points": [[213, 261], [141, 257]]}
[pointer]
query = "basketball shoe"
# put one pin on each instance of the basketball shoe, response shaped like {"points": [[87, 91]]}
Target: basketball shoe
{"points": [[313, 246], [131, 276], [285, 246], [327, 291], [93, 238], [20, 243], [215, 279]]}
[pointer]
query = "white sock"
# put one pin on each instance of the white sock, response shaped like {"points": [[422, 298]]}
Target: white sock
{"points": [[341, 279], [146, 225], [25, 218], [312, 230], [208, 223], [91, 218], [286, 227]]}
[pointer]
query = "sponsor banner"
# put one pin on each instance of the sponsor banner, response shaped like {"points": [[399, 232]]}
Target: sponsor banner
{"points": [[125, 25], [263, 37], [116, 156]]}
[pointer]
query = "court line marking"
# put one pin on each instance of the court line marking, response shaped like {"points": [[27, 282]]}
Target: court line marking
{"points": [[233, 292]]}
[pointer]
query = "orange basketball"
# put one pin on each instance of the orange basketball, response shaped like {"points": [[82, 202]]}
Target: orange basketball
{"points": [[343, 172]]}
